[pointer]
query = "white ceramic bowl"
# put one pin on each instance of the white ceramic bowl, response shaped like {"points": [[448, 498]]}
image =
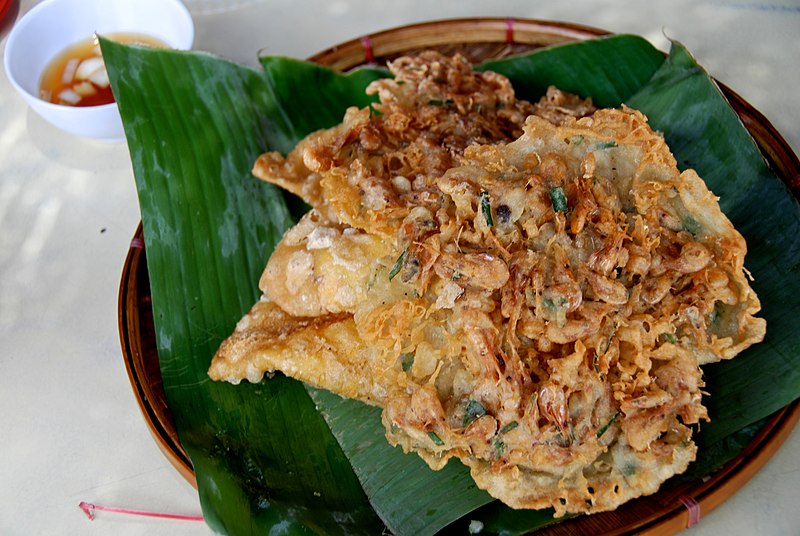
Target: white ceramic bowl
{"points": [[50, 27]]}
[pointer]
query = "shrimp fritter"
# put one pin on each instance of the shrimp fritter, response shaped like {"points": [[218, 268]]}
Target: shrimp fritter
{"points": [[529, 288]]}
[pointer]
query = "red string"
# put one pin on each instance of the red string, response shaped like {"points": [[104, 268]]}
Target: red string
{"points": [[694, 511], [366, 42], [509, 31], [89, 508]]}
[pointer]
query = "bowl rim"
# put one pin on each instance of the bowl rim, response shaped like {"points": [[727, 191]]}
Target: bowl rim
{"points": [[29, 18]]}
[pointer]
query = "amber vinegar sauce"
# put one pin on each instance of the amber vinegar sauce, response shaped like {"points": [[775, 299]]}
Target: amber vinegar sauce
{"points": [[76, 77]]}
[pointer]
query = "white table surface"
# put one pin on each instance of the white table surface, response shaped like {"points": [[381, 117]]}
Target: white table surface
{"points": [[70, 428]]}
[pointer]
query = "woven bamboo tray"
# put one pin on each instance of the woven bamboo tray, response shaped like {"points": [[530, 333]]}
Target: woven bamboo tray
{"points": [[478, 39]]}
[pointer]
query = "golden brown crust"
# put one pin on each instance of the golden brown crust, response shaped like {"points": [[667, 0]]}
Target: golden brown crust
{"points": [[533, 297], [325, 351]]}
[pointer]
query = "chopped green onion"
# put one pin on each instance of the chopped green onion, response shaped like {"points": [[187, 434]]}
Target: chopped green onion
{"points": [[534, 399], [692, 226], [398, 265], [608, 341], [486, 208], [499, 447], [717, 314], [407, 361], [605, 145], [576, 140], [440, 102], [510, 426], [628, 469], [456, 275], [436, 439], [602, 430], [474, 411], [559, 302], [596, 362], [669, 337], [558, 198]]}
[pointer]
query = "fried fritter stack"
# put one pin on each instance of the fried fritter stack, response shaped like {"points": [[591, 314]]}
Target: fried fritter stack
{"points": [[529, 288]]}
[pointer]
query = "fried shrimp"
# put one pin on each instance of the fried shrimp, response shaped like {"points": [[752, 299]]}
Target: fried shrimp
{"points": [[528, 288]]}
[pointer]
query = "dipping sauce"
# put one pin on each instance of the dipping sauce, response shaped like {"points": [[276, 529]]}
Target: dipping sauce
{"points": [[77, 76]]}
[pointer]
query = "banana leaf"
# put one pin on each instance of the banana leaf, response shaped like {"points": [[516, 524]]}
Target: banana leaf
{"points": [[194, 124], [763, 210], [278, 456]]}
